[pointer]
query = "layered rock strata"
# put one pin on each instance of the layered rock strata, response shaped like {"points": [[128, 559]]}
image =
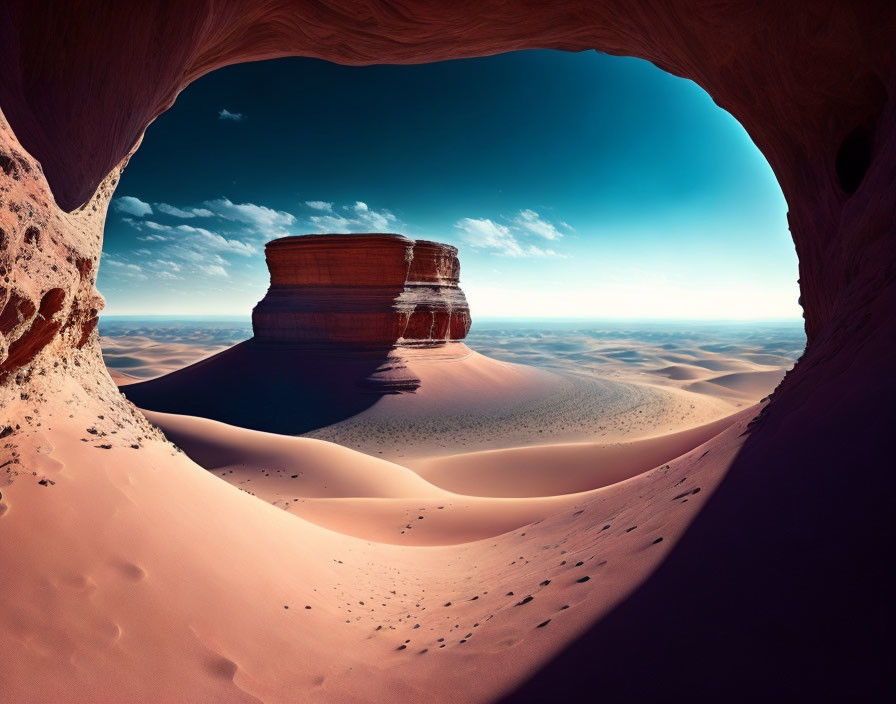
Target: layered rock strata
{"points": [[361, 290], [331, 335]]}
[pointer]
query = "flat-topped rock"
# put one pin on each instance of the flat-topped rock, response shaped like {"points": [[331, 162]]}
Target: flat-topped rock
{"points": [[369, 290]]}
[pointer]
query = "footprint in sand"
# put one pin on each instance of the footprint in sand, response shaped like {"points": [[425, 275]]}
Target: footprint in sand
{"points": [[223, 667], [129, 570]]}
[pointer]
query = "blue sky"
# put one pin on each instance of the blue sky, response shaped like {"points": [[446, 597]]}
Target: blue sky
{"points": [[574, 185]]}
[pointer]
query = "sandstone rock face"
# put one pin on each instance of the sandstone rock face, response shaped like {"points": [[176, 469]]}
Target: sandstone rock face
{"points": [[366, 290], [332, 334], [48, 261]]}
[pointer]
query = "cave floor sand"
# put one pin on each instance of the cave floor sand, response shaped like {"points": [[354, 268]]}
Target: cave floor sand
{"points": [[131, 573]]}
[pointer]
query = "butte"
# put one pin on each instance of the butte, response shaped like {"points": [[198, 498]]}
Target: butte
{"points": [[342, 317]]}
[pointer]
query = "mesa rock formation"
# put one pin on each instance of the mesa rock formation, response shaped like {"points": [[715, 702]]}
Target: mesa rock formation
{"points": [[330, 335], [778, 584], [365, 290]]}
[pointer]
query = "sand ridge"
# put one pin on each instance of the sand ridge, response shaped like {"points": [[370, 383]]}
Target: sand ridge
{"points": [[351, 493]]}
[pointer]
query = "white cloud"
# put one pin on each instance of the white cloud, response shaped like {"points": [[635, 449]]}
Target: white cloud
{"points": [[194, 257], [330, 223], [259, 217], [225, 114], [500, 239], [200, 237], [214, 270], [485, 234], [531, 221], [167, 264], [132, 206], [183, 251], [197, 238], [123, 265], [358, 217], [262, 219], [123, 268], [180, 213]]}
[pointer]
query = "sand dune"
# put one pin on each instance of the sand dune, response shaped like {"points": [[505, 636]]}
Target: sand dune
{"points": [[96, 595], [548, 470], [428, 522], [288, 467], [721, 365], [143, 357], [512, 423], [610, 384], [120, 378], [477, 403], [771, 360], [482, 494], [462, 400], [680, 372], [750, 383]]}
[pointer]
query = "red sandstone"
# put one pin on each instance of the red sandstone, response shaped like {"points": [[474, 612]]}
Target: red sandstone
{"points": [[371, 290]]}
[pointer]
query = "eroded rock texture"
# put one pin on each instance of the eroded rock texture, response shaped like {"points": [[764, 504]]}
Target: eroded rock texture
{"points": [[48, 261], [372, 290], [779, 586]]}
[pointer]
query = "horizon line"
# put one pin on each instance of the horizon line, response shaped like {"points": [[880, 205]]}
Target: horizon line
{"points": [[487, 318]]}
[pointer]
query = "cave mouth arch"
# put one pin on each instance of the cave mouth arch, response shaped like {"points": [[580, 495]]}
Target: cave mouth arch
{"points": [[77, 156], [624, 185], [163, 233], [787, 72]]}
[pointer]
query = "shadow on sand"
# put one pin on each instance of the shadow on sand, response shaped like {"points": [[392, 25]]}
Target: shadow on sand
{"points": [[277, 388]]}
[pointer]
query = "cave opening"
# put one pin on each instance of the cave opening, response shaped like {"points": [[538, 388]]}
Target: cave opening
{"points": [[434, 152], [722, 557]]}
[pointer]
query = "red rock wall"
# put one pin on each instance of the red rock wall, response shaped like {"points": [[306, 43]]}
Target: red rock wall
{"points": [[372, 290], [48, 261]]}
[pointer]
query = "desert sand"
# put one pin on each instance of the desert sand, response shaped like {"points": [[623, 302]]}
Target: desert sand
{"points": [[530, 387], [519, 538], [336, 611], [469, 402], [447, 501], [133, 574], [138, 357], [482, 446]]}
